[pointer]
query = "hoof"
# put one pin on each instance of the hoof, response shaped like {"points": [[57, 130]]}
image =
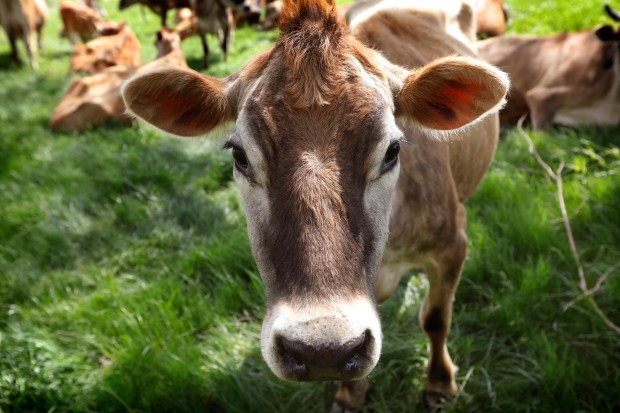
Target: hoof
{"points": [[337, 408], [436, 401]]}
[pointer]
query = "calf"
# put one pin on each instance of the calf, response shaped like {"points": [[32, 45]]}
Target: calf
{"points": [[95, 100], [160, 7], [568, 78], [21, 19], [121, 48], [338, 149]]}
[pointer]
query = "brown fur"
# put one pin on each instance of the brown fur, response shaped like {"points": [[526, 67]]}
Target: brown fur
{"points": [[122, 48]]}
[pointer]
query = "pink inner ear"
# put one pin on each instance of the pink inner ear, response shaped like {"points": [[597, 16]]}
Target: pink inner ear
{"points": [[455, 105]]}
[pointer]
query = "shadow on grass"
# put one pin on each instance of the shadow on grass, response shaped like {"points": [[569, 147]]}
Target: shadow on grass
{"points": [[7, 64]]}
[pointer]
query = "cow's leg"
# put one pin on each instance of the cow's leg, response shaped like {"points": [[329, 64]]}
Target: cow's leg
{"points": [[228, 34], [444, 270], [205, 48], [40, 39], [164, 16], [350, 396], [544, 104], [14, 54], [30, 43]]}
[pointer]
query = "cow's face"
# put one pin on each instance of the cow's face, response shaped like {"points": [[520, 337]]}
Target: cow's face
{"points": [[317, 182], [316, 152]]}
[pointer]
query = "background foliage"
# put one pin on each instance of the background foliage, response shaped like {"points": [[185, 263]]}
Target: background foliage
{"points": [[127, 284]]}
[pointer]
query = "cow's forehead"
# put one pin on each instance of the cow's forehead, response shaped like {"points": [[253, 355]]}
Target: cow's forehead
{"points": [[346, 125]]}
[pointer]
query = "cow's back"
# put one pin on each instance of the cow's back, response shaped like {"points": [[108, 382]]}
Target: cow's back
{"points": [[412, 34]]}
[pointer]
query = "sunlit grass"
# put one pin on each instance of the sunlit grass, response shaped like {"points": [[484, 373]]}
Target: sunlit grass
{"points": [[127, 283]]}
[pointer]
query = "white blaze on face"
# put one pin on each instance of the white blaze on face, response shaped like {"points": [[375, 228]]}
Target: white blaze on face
{"points": [[323, 324]]}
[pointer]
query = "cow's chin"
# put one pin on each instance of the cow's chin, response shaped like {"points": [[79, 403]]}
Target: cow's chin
{"points": [[335, 341]]}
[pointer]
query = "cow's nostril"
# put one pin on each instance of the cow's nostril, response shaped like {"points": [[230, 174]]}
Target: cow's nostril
{"points": [[319, 360]]}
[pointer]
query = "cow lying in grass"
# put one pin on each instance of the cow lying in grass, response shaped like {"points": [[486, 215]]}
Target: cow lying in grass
{"points": [[338, 150], [96, 99], [568, 78], [120, 48]]}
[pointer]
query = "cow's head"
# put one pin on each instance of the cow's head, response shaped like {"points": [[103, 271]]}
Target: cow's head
{"points": [[316, 150]]}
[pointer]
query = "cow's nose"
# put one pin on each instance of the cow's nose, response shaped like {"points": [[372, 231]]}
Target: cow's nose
{"points": [[324, 361]]}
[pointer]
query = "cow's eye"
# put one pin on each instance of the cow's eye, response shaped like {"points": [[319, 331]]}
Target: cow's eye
{"points": [[391, 157], [241, 161]]}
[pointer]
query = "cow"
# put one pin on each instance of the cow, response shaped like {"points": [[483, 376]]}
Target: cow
{"points": [[160, 7], [95, 100], [491, 18], [346, 140], [21, 19], [217, 18], [81, 23], [168, 45], [120, 48], [569, 78], [92, 100]]}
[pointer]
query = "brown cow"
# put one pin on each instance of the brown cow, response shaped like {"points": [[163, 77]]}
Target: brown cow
{"points": [[336, 149], [96, 99], [491, 17], [217, 18], [81, 23], [168, 44], [21, 19], [121, 48], [92, 100], [568, 78]]}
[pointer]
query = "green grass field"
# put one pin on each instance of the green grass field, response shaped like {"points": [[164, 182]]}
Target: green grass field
{"points": [[127, 283]]}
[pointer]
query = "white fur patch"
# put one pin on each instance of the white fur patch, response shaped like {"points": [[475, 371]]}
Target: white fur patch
{"points": [[351, 318]]}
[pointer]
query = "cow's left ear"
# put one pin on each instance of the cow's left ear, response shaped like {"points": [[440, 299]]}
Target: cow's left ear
{"points": [[452, 92]]}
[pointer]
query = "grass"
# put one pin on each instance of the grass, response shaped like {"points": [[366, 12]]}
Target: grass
{"points": [[127, 283]]}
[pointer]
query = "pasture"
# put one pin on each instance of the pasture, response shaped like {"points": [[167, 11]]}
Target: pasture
{"points": [[127, 282]]}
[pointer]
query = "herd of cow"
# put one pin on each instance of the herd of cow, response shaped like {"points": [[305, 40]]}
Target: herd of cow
{"points": [[568, 78]]}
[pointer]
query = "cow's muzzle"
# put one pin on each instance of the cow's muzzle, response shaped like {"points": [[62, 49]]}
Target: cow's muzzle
{"points": [[325, 361], [338, 343]]}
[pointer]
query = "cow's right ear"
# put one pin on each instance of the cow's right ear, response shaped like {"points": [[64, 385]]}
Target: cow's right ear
{"points": [[452, 92], [179, 101]]}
